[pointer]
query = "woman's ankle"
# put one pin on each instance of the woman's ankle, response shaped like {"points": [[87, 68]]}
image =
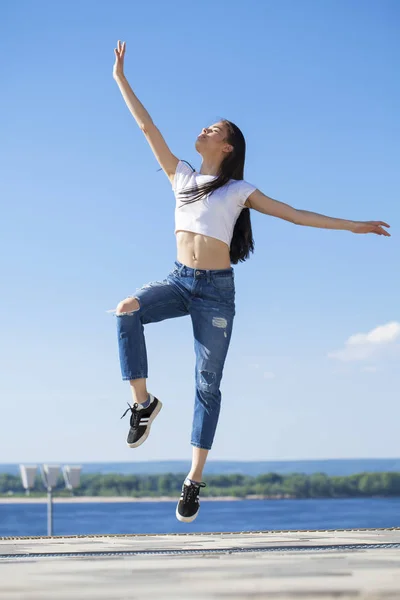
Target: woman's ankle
{"points": [[141, 399], [139, 390], [196, 477]]}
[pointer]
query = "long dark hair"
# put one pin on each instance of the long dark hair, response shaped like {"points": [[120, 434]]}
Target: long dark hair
{"points": [[232, 167]]}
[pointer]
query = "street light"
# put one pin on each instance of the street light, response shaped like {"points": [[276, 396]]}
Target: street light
{"points": [[50, 475], [28, 475], [72, 476]]}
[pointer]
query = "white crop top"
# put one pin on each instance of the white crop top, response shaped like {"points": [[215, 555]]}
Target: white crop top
{"points": [[214, 215]]}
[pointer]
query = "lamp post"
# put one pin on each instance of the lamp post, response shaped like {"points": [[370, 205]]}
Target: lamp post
{"points": [[50, 475]]}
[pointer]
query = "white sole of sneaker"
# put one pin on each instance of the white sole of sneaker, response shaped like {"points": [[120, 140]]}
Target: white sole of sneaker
{"points": [[146, 435], [185, 519]]}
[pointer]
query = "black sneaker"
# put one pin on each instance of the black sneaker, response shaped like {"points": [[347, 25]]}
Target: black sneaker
{"points": [[141, 420], [189, 504]]}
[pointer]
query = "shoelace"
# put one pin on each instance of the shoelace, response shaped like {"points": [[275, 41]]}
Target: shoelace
{"points": [[135, 417], [190, 492]]}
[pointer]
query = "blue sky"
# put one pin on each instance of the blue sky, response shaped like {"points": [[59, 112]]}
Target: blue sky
{"points": [[86, 219]]}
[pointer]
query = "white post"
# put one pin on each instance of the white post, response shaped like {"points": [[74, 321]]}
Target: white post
{"points": [[49, 512], [50, 475]]}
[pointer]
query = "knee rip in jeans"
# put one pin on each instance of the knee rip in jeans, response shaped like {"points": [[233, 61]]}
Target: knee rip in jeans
{"points": [[207, 380], [130, 312]]}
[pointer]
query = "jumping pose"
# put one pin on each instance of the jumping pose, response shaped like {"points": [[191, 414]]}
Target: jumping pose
{"points": [[213, 231]]}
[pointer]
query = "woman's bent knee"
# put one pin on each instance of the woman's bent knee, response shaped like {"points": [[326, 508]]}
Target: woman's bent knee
{"points": [[128, 305]]}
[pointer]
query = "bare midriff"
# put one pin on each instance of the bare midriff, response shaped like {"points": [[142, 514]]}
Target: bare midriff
{"points": [[201, 251]]}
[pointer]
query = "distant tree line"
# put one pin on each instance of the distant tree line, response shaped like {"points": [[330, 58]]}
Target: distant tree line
{"points": [[269, 485]]}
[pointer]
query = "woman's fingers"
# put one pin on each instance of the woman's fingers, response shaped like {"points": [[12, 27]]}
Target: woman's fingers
{"points": [[120, 50], [376, 227], [380, 231]]}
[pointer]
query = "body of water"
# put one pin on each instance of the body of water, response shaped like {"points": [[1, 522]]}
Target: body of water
{"points": [[159, 517], [340, 467]]}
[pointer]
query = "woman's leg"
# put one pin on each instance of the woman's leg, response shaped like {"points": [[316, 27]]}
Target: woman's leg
{"points": [[199, 457], [212, 319], [138, 386], [212, 328], [152, 303]]}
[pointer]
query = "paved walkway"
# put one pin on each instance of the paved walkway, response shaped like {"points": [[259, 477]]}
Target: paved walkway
{"points": [[363, 564]]}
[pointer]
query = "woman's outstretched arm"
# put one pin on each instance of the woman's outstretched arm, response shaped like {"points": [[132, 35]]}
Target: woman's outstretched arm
{"points": [[263, 204], [156, 141]]}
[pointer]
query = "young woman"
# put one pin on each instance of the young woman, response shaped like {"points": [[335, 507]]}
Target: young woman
{"points": [[213, 231]]}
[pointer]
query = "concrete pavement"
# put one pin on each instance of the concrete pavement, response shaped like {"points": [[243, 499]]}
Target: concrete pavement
{"points": [[363, 564]]}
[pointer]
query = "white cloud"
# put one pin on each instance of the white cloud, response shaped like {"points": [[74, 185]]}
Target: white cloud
{"points": [[362, 346], [258, 366], [269, 375], [370, 369]]}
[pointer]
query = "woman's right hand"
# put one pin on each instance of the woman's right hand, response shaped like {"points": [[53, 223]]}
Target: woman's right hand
{"points": [[118, 70]]}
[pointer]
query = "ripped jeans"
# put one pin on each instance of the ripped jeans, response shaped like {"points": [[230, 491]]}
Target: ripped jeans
{"points": [[208, 296]]}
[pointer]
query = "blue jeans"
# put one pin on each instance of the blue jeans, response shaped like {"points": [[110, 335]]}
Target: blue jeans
{"points": [[208, 296]]}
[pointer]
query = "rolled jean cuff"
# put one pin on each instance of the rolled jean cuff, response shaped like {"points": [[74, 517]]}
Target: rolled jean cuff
{"points": [[201, 446], [129, 377]]}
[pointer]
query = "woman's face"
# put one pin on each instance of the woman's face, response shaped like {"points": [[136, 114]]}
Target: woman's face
{"points": [[212, 138]]}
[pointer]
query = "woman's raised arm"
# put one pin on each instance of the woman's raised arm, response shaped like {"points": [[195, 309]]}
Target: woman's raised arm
{"points": [[163, 154]]}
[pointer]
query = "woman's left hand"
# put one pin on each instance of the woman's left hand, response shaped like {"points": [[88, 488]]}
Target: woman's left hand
{"points": [[370, 227]]}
